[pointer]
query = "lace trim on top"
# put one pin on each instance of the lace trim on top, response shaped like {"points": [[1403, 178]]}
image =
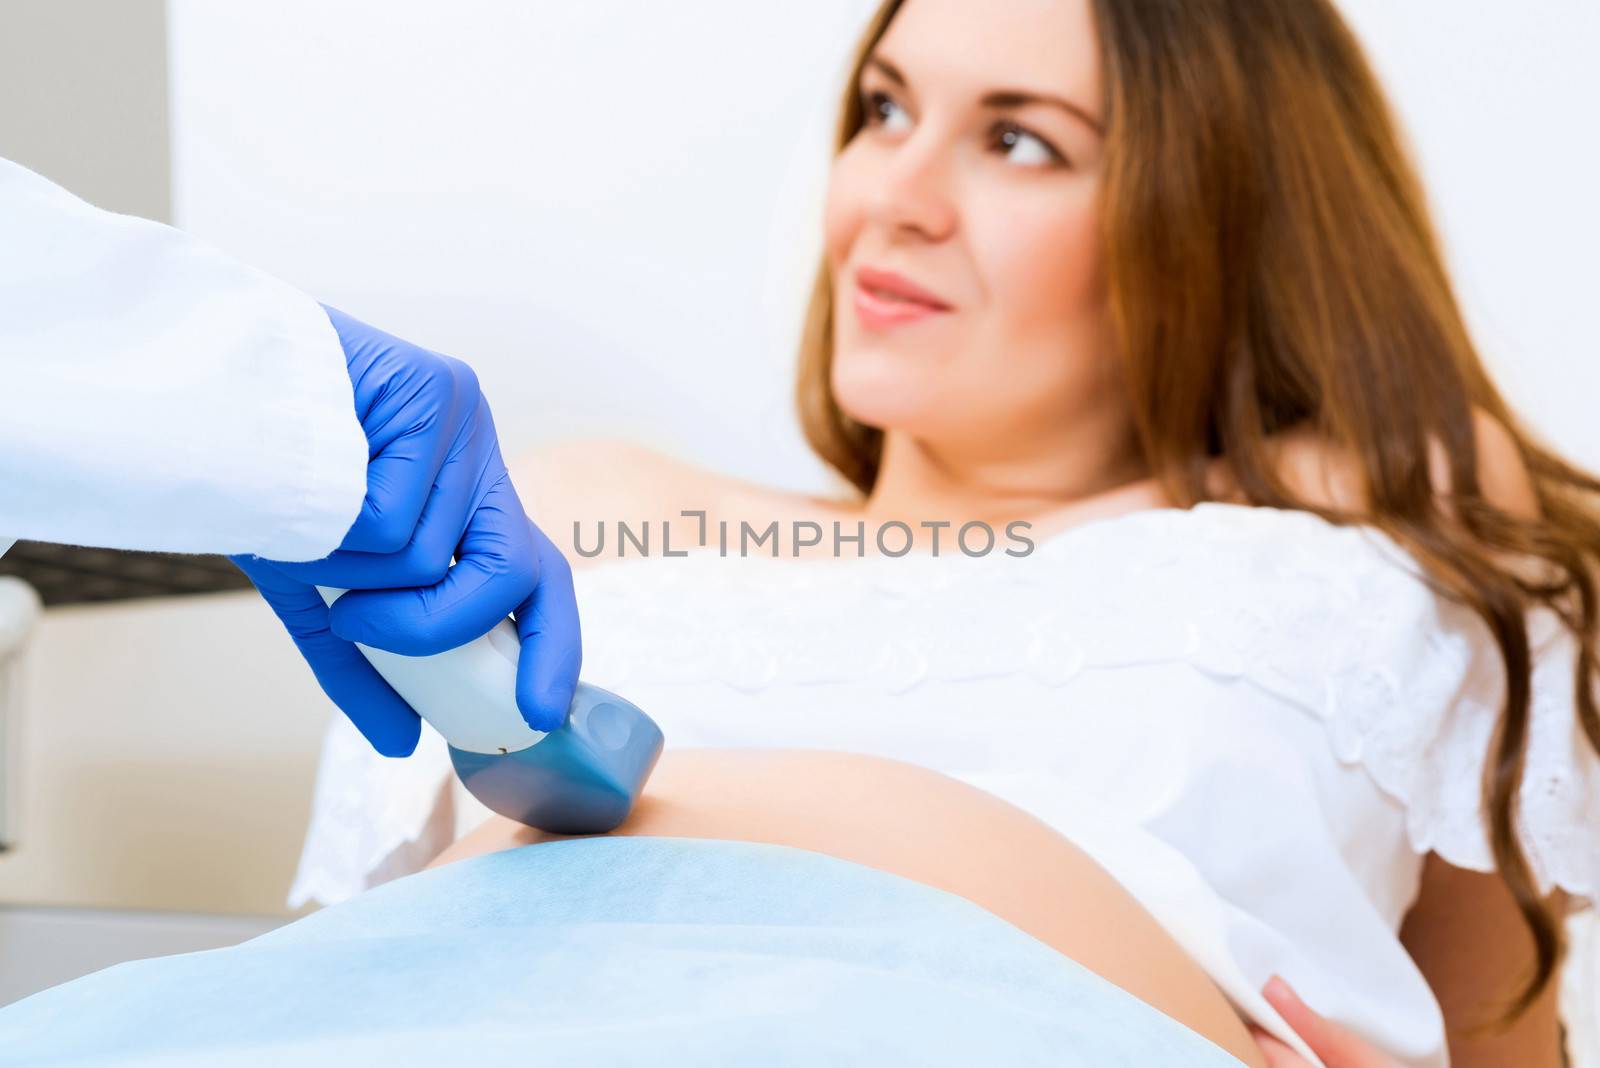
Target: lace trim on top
{"points": [[1336, 620]]}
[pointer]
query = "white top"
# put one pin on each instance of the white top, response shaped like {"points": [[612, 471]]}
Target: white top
{"points": [[1258, 721], [156, 394]]}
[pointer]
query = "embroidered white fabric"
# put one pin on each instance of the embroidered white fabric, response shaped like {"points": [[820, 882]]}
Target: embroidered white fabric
{"points": [[1258, 721]]}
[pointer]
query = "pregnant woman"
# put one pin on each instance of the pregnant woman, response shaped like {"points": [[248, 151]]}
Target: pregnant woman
{"points": [[1087, 264], [1292, 676]]}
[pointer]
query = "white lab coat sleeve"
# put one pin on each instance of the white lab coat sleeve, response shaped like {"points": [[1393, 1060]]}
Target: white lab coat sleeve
{"points": [[157, 394]]}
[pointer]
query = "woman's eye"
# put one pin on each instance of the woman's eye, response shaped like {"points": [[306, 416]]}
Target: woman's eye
{"points": [[881, 110], [1025, 147]]}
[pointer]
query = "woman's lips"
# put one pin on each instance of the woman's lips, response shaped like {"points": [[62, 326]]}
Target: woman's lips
{"points": [[885, 300]]}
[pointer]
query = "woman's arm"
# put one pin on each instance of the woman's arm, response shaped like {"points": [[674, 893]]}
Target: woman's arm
{"points": [[592, 481], [1469, 940], [1464, 930]]}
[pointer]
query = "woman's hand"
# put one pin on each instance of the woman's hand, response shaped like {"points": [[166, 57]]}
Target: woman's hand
{"points": [[1337, 1047]]}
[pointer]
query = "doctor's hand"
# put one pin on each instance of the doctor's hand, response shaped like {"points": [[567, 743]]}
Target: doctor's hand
{"points": [[437, 489], [1337, 1047]]}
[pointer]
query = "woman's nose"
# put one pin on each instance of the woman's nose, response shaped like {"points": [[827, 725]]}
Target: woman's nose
{"points": [[913, 190]]}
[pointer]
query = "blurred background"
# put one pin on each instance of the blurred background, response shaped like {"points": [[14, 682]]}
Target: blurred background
{"points": [[612, 210]]}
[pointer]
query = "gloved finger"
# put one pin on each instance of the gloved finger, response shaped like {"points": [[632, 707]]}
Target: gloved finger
{"points": [[426, 559], [552, 646], [412, 403], [381, 715], [496, 569]]}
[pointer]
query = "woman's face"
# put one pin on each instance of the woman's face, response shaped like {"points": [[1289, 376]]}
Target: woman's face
{"points": [[975, 179]]}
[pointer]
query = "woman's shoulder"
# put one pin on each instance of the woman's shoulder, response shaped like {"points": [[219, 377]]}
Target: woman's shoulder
{"points": [[582, 482], [1328, 476], [1318, 474], [598, 468]]}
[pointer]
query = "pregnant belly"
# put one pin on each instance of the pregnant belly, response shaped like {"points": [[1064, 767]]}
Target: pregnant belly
{"points": [[922, 825]]}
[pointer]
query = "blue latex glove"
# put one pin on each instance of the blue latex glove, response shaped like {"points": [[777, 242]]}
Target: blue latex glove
{"points": [[436, 488]]}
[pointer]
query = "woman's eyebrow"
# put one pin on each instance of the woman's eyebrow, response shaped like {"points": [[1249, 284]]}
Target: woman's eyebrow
{"points": [[1001, 98], [1012, 98]]}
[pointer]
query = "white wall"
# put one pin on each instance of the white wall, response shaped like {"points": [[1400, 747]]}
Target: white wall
{"points": [[604, 206], [610, 207], [1500, 100]]}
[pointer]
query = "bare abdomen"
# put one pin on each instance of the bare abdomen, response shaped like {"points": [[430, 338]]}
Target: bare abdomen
{"points": [[919, 824]]}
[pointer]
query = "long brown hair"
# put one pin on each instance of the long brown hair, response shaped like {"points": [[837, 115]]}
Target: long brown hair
{"points": [[1271, 263]]}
